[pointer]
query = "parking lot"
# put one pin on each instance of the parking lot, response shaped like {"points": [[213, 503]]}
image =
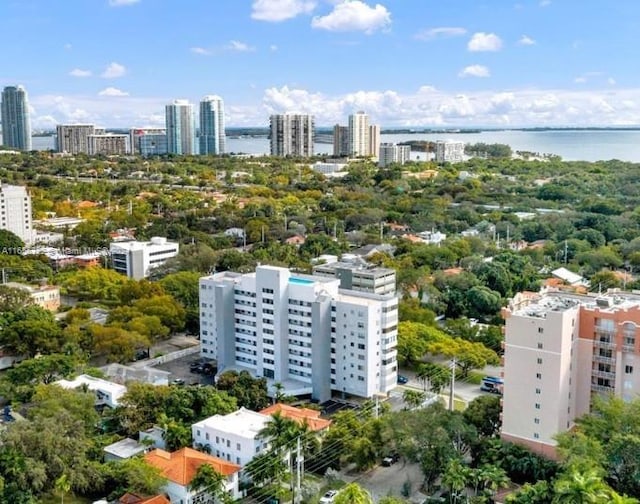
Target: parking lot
{"points": [[180, 370]]}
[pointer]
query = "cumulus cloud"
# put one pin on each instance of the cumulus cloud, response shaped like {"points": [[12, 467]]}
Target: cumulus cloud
{"points": [[201, 51], [78, 72], [122, 3], [280, 10], [526, 41], [484, 42], [237, 46], [113, 71], [354, 15], [111, 91], [425, 106], [440, 32], [474, 71]]}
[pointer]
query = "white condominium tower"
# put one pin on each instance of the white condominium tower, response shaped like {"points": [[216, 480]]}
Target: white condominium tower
{"points": [[212, 132], [181, 128], [302, 331], [364, 138], [15, 212], [74, 138], [292, 135], [16, 125]]}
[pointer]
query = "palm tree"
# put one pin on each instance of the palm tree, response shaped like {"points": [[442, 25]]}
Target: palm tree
{"points": [[280, 431], [353, 494], [455, 478], [63, 486], [208, 480], [581, 488]]}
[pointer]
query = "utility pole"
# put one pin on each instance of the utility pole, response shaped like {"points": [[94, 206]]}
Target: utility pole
{"points": [[453, 383], [566, 248], [299, 471]]}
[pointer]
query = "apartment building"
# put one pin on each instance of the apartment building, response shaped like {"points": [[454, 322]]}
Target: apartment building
{"points": [[108, 144], [233, 437], [15, 212], [449, 151], [393, 153], [74, 138], [356, 274], [15, 116], [148, 141], [560, 350], [300, 330], [44, 296], [292, 135], [136, 259]]}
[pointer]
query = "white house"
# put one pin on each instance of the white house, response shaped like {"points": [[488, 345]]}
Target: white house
{"points": [[180, 467], [136, 259], [232, 437], [107, 393]]}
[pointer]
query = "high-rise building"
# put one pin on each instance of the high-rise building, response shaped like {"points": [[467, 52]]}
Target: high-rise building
{"points": [[16, 125], [148, 141], [340, 140], [108, 145], [561, 350], [449, 151], [292, 135], [300, 330], [212, 131], [374, 141], [393, 153], [74, 138], [359, 134], [181, 128], [15, 212]]}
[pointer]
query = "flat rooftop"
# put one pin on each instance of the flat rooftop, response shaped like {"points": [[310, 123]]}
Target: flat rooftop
{"points": [[539, 306], [243, 422]]}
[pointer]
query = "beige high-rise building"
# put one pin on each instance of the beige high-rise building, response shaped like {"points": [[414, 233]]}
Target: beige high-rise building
{"points": [[340, 140], [74, 138], [292, 135], [364, 138], [108, 144], [560, 351]]}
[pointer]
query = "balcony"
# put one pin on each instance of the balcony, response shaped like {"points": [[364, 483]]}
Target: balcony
{"points": [[599, 343], [629, 348], [601, 388], [602, 331], [603, 359], [603, 374]]}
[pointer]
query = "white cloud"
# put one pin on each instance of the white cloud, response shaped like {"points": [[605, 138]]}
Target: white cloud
{"points": [[474, 71], [544, 3], [580, 80], [354, 15], [201, 51], [484, 42], [273, 47], [280, 10], [121, 3], [113, 71], [526, 41], [78, 72], [111, 91], [440, 32], [235, 45], [426, 106], [611, 81]]}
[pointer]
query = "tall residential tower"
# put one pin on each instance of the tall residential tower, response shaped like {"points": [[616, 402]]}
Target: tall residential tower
{"points": [[16, 126], [181, 128], [212, 134], [292, 135]]}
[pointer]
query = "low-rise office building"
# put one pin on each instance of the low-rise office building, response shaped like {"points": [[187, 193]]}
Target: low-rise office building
{"points": [[136, 259]]}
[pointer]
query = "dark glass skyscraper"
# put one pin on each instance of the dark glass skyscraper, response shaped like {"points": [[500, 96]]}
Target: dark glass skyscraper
{"points": [[16, 126], [212, 133]]}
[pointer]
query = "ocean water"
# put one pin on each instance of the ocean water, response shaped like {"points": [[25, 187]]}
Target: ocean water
{"points": [[571, 145]]}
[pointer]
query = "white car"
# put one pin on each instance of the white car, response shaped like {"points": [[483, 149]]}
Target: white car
{"points": [[329, 497]]}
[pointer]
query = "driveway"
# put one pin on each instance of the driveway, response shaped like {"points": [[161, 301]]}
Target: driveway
{"points": [[384, 481]]}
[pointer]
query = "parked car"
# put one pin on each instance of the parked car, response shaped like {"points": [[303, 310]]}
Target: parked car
{"points": [[177, 381], [402, 379], [328, 497], [141, 354], [390, 459]]}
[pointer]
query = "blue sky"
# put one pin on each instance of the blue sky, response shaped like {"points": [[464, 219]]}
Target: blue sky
{"points": [[456, 63]]}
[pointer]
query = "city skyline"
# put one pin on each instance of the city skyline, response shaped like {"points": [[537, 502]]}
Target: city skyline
{"points": [[526, 63]]}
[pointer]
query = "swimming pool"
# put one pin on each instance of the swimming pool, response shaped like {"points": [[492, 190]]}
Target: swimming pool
{"points": [[300, 281]]}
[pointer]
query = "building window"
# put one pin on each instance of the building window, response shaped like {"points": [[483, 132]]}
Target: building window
{"points": [[206, 436], [238, 447], [539, 376], [628, 369], [536, 420], [539, 346], [539, 360], [538, 391], [540, 330], [537, 405], [536, 435]]}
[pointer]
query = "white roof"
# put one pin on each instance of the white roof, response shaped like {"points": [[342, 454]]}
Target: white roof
{"points": [[125, 448], [243, 422], [95, 384], [567, 276]]}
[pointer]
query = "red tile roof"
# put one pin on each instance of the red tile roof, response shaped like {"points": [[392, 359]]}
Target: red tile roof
{"points": [[130, 498], [181, 466], [299, 415]]}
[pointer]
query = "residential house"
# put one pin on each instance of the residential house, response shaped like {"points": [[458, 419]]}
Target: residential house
{"points": [[130, 498], [107, 393], [180, 467], [300, 415]]}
